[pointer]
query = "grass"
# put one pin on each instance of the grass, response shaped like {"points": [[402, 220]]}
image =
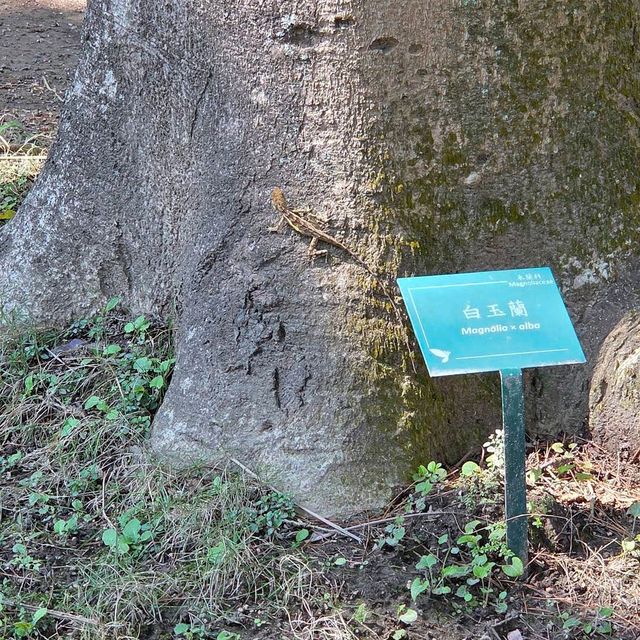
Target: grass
{"points": [[96, 533], [100, 541], [22, 156]]}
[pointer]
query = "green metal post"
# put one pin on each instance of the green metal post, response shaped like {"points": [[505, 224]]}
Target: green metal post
{"points": [[515, 493]]}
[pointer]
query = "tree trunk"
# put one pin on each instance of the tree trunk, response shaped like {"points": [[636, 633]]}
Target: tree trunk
{"points": [[435, 136]]}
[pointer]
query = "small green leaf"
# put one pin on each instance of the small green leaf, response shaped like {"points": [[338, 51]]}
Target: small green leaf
{"points": [[456, 571], [110, 537], [482, 571], [121, 546], [129, 328], [340, 562], [463, 592], [92, 402], [571, 623], [142, 365], [68, 427], [146, 535], [470, 468], [534, 475], [443, 538], [112, 304], [302, 535], [441, 591], [424, 487], [215, 554], [131, 530], [515, 569], [180, 628], [409, 616], [628, 545], [157, 382], [634, 509], [39, 614], [426, 562], [470, 527], [112, 349], [418, 586]]}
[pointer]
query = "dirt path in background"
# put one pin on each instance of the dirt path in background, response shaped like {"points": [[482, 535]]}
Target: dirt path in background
{"points": [[39, 43]]}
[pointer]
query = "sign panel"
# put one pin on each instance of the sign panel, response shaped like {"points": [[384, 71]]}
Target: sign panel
{"points": [[490, 321]]}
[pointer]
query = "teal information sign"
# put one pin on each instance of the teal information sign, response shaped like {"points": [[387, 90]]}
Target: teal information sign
{"points": [[490, 321]]}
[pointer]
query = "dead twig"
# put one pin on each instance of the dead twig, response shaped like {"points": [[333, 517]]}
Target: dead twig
{"points": [[312, 514], [60, 615]]}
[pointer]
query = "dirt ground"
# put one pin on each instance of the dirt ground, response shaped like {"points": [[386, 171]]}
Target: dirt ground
{"points": [[39, 43]]}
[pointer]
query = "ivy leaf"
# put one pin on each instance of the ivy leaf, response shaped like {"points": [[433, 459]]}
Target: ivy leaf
{"points": [[418, 586], [515, 569]]}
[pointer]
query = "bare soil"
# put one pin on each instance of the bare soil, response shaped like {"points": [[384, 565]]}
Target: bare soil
{"points": [[39, 44]]}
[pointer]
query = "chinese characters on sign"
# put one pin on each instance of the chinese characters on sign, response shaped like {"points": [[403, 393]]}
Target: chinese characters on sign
{"points": [[517, 308], [490, 321], [495, 321]]}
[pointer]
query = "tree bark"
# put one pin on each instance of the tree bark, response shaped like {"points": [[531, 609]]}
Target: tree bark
{"points": [[436, 136]]}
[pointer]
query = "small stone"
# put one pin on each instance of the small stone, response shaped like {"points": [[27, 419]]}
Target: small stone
{"points": [[472, 178]]}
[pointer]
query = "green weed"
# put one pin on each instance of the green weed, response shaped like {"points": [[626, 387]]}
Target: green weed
{"points": [[135, 543]]}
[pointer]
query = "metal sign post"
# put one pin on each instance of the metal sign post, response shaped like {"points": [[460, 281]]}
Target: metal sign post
{"points": [[501, 321], [515, 488]]}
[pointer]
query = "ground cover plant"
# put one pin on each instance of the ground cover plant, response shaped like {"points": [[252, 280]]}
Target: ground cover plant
{"points": [[22, 155], [99, 541]]}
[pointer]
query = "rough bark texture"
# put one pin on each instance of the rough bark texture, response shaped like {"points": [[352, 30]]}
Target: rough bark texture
{"points": [[438, 136], [614, 399]]}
